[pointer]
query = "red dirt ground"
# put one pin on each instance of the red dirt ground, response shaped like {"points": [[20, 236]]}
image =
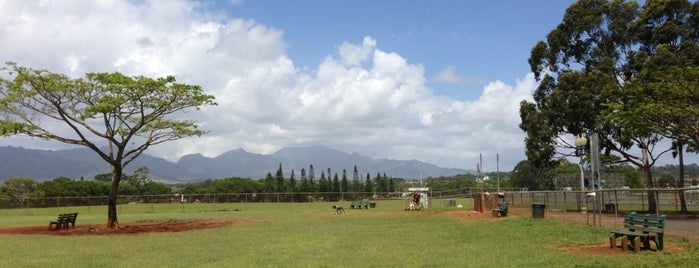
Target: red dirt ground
{"points": [[131, 228]]}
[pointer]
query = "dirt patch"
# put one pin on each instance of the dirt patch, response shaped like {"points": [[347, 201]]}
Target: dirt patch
{"points": [[131, 228], [469, 214]]}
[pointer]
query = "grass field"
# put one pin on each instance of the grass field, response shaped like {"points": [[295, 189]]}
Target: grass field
{"points": [[311, 235]]}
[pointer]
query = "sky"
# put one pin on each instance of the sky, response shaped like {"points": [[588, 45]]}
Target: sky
{"points": [[435, 81]]}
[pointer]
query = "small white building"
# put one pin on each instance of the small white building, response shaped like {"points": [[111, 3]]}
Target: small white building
{"points": [[424, 195]]}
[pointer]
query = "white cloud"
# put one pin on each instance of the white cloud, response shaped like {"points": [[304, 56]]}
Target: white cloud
{"points": [[361, 100], [449, 76], [356, 54]]}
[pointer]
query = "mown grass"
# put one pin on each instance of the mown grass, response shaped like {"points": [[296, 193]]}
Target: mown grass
{"points": [[311, 235]]}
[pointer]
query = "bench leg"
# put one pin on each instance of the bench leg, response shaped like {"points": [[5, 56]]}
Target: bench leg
{"points": [[612, 241], [637, 244], [646, 242], [625, 243]]}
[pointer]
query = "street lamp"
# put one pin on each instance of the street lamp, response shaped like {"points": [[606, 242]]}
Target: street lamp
{"points": [[580, 143]]}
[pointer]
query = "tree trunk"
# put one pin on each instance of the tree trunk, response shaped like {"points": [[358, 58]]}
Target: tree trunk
{"points": [[680, 156], [652, 203], [112, 221]]}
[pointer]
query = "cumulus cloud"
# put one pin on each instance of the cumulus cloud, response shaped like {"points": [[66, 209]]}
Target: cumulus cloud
{"points": [[361, 99]]}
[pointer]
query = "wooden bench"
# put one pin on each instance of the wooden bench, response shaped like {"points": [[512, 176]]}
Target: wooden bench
{"points": [[639, 231], [501, 211], [64, 221], [71, 220], [58, 223]]}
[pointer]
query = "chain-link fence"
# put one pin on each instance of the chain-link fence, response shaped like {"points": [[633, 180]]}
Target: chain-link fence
{"points": [[607, 201], [44, 202]]}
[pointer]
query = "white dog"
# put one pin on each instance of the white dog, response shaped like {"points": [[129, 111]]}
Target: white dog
{"points": [[339, 209], [412, 206]]}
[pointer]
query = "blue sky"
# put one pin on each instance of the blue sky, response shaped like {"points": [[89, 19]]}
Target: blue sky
{"points": [[483, 41], [435, 81]]}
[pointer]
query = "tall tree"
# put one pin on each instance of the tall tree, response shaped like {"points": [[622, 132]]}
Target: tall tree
{"points": [[323, 183], [381, 182], [139, 179], [336, 187], [525, 174], [280, 179], [18, 189], [593, 62], [664, 96], [117, 116], [304, 186], [292, 182], [270, 185], [344, 184], [312, 179], [356, 184], [391, 184], [368, 186]]}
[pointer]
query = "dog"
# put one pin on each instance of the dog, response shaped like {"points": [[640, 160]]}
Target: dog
{"points": [[339, 209], [412, 206]]}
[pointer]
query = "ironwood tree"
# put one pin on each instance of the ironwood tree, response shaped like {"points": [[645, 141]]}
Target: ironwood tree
{"points": [[117, 116]]}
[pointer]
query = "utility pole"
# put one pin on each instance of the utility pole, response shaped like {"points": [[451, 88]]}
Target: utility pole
{"points": [[594, 161], [497, 170]]}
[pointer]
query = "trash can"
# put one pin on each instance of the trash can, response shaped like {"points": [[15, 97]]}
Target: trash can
{"points": [[538, 210], [372, 204], [609, 208]]}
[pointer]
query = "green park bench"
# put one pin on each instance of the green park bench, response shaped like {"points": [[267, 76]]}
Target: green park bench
{"points": [[359, 204], [639, 231], [501, 211]]}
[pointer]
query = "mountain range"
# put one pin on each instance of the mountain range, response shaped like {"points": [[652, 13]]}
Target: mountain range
{"points": [[42, 165]]}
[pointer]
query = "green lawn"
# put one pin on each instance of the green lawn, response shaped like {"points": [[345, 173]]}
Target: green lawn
{"points": [[311, 235]]}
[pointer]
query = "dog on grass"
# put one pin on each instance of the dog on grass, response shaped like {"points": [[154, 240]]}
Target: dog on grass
{"points": [[339, 209]]}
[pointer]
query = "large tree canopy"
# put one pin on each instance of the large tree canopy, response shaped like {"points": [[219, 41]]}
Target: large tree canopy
{"points": [[117, 116], [607, 69]]}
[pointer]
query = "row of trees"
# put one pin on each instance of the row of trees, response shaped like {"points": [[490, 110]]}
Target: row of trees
{"points": [[624, 72], [20, 189], [139, 183], [308, 183]]}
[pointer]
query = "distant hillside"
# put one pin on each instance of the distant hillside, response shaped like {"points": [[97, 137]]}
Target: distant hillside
{"points": [[44, 165]]}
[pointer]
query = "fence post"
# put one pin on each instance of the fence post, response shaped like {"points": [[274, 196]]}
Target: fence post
{"points": [[657, 202]]}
